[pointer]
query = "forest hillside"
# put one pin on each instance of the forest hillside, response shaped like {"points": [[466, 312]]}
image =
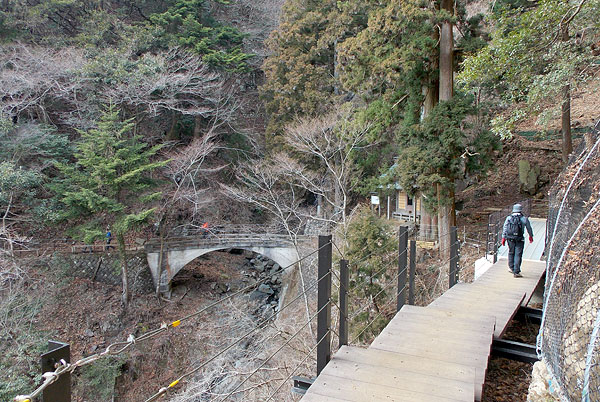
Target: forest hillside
{"points": [[125, 123]]}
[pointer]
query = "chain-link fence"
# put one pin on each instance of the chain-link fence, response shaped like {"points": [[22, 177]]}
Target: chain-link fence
{"points": [[569, 335]]}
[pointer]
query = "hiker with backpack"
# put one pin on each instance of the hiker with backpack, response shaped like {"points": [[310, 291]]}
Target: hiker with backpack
{"points": [[513, 232]]}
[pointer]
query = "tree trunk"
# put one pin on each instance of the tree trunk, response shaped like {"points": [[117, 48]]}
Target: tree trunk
{"points": [[432, 95], [443, 224], [446, 55], [567, 142], [446, 207], [173, 135], [336, 73], [125, 294], [197, 126]]}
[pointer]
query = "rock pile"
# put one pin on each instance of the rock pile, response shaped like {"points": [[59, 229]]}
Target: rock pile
{"points": [[261, 269]]}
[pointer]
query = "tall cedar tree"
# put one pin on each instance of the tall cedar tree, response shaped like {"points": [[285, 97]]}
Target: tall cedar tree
{"points": [[110, 177], [444, 148], [393, 56], [302, 71]]}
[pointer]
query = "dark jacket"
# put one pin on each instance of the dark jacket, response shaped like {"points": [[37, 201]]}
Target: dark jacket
{"points": [[524, 222]]}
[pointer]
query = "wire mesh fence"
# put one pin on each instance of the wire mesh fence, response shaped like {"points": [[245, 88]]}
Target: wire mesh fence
{"points": [[568, 339]]}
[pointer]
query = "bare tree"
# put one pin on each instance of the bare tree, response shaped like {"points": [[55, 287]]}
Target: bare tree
{"points": [[188, 169], [63, 84], [176, 81], [321, 161], [332, 142], [266, 185], [31, 77]]}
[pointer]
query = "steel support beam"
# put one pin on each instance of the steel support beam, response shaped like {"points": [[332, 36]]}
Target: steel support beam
{"points": [[411, 272], [513, 350], [59, 391], [344, 284], [529, 315], [301, 384], [402, 266], [323, 303]]}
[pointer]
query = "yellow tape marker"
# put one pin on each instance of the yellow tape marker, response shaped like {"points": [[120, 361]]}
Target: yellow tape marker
{"points": [[175, 324], [171, 385]]}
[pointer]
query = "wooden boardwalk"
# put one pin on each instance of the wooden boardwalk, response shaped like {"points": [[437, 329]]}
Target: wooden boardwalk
{"points": [[434, 353], [532, 251]]}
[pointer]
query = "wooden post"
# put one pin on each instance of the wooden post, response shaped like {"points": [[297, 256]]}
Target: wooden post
{"points": [[402, 266], [453, 269], [411, 272], [323, 303], [344, 284]]}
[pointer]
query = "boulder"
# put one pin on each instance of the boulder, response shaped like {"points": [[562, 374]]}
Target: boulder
{"points": [[257, 296], [528, 177], [266, 289]]}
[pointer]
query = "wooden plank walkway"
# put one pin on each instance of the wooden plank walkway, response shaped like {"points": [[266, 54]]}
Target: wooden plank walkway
{"points": [[434, 353], [532, 251]]}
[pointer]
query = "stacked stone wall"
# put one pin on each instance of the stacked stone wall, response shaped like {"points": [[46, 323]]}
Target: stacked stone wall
{"points": [[106, 268]]}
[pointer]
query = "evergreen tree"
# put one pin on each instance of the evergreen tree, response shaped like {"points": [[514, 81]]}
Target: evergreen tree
{"points": [[393, 56], [110, 177], [371, 252], [444, 148], [189, 24], [302, 71]]}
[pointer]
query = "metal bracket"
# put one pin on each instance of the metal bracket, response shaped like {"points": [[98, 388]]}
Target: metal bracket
{"points": [[59, 391], [530, 315], [302, 384], [518, 351]]}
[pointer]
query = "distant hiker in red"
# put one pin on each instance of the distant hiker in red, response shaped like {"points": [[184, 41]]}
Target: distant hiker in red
{"points": [[205, 230], [513, 231]]}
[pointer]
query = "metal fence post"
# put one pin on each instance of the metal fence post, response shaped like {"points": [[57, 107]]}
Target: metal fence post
{"points": [[453, 269], [402, 265], [411, 272], [495, 248], [59, 391], [323, 303], [344, 284]]}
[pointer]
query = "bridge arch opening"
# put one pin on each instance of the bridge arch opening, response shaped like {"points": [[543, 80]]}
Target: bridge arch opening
{"points": [[224, 271]]}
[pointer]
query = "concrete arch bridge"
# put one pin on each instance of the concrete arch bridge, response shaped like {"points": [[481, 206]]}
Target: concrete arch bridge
{"points": [[168, 257]]}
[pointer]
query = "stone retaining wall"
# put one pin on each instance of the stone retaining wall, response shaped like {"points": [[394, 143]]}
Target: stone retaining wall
{"points": [[106, 268]]}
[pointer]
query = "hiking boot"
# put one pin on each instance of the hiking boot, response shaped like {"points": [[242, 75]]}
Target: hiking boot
{"points": [[511, 271], [517, 275]]}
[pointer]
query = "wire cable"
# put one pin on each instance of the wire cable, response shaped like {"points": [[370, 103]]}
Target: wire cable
{"points": [[377, 316], [233, 392], [231, 345], [298, 366], [338, 250], [51, 377]]}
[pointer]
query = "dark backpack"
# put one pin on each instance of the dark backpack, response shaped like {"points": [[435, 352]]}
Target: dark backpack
{"points": [[514, 228]]}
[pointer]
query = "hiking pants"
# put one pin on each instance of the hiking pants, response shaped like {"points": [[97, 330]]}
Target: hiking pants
{"points": [[515, 254]]}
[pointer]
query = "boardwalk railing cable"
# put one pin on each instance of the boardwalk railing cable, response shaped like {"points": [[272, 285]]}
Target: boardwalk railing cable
{"points": [[235, 390], [231, 345], [51, 377]]}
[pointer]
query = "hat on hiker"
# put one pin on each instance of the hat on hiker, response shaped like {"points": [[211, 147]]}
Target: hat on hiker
{"points": [[517, 208]]}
